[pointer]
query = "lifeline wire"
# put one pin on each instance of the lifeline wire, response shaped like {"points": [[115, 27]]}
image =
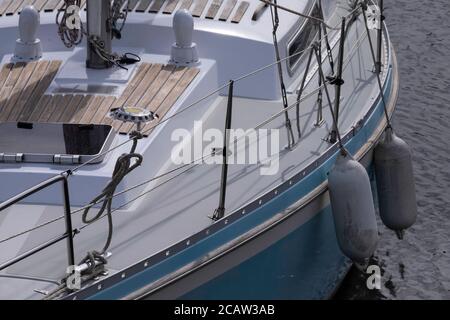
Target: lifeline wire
{"points": [[270, 119], [241, 78], [357, 45], [386, 114], [277, 6], [275, 25]]}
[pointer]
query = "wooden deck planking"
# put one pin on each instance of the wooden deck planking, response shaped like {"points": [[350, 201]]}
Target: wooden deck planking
{"points": [[156, 6], [91, 110], [72, 107], [4, 6], [176, 93], [81, 109], [5, 81], [170, 6], [9, 85], [40, 89], [11, 7], [241, 10], [103, 110], [80, 114], [51, 5], [17, 90], [27, 93], [76, 103], [226, 13], [160, 81], [159, 77], [4, 73], [131, 5], [129, 90], [259, 11], [14, 7], [199, 8], [213, 9], [186, 4], [143, 5], [60, 6], [38, 109], [171, 82], [24, 4], [39, 4], [156, 76], [59, 109], [155, 87], [173, 96], [132, 86], [150, 78], [51, 106]]}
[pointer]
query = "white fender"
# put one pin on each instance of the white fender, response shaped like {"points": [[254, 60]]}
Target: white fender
{"points": [[395, 182], [353, 209]]}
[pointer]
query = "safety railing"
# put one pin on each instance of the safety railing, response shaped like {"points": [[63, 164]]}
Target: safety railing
{"points": [[68, 235], [220, 211]]}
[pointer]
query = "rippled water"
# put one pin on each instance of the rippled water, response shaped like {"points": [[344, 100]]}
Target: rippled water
{"points": [[418, 267]]}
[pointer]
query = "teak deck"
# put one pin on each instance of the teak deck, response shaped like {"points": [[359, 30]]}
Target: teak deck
{"points": [[155, 87], [233, 10]]}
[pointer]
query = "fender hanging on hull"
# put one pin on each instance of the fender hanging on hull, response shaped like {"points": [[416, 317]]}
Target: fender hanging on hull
{"points": [[395, 182], [353, 209]]}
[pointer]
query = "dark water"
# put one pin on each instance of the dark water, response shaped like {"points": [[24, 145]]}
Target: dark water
{"points": [[418, 267]]}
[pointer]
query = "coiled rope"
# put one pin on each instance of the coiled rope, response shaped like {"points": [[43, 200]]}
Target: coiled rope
{"points": [[123, 167], [74, 36]]}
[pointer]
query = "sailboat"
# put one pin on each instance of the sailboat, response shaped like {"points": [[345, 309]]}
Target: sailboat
{"points": [[165, 149]]}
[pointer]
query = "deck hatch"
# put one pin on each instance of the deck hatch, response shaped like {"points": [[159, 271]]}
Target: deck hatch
{"points": [[54, 143]]}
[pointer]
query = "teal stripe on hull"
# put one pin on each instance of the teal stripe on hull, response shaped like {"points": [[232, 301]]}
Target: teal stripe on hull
{"points": [[259, 216], [307, 264]]}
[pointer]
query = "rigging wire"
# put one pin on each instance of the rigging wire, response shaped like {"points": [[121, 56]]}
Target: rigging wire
{"points": [[241, 78], [312, 93], [277, 6], [275, 25], [357, 44], [372, 51], [270, 119], [90, 205], [109, 192]]}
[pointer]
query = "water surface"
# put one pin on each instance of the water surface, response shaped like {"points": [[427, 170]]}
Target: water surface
{"points": [[418, 267]]}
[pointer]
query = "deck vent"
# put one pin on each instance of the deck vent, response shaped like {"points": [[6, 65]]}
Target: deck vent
{"points": [[28, 47], [184, 51]]}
